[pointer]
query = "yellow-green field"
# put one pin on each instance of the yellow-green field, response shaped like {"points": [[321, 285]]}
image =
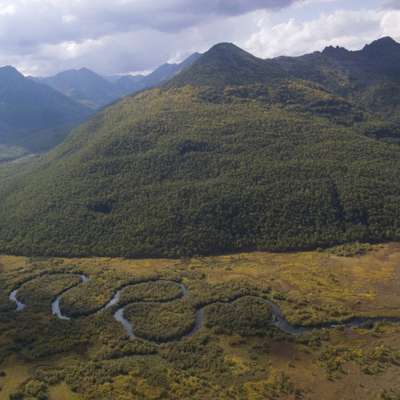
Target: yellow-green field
{"points": [[236, 354]]}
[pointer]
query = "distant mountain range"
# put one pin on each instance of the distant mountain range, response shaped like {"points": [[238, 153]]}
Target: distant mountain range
{"points": [[33, 117], [233, 153], [92, 90], [36, 114]]}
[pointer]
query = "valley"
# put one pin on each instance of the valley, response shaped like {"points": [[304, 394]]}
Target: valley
{"points": [[200, 200], [203, 326]]}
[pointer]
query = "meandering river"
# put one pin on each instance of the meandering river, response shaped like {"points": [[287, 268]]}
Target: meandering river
{"points": [[278, 319]]}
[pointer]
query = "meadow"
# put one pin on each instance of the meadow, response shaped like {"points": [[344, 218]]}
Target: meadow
{"points": [[236, 353]]}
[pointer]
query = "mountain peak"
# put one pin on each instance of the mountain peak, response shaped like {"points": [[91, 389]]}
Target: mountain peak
{"points": [[225, 47], [335, 51], [85, 70], [81, 71], [10, 71], [384, 44], [227, 64]]}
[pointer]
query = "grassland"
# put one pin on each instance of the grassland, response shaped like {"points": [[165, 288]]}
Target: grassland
{"points": [[237, 354]]}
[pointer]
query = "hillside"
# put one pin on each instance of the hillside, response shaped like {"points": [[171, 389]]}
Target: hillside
{"points": [[369, 76], [33, 117], [234, 153]]}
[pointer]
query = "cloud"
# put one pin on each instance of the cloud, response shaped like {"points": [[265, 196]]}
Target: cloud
{"points": [[35, 31], [350, 29], [28, 22], [7, 9], [137, 50], [42, 37], [390, 24]]}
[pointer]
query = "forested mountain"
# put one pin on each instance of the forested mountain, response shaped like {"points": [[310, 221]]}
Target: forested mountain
{"points": [[33, 117], [233, 153], [226, 64], [369, 76], [95, 91]]}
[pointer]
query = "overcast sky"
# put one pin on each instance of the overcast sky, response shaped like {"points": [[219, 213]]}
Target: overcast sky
{"points": [[42, 37]]}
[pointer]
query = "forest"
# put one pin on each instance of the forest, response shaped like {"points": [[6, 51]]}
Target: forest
{"points": [[189, 171]]}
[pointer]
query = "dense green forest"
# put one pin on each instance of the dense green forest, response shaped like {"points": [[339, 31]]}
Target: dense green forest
{"points": [[234, 153]]}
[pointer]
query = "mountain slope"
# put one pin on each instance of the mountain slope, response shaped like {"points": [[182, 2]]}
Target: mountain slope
{"points": [[167, 71], [84, 86], [256, 161], [370, 76], [34, 116], [132, 84]]}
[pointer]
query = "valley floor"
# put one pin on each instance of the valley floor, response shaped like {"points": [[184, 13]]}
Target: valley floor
{"points": [[237, 352]]}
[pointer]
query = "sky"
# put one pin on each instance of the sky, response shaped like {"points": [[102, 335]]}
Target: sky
{"points": [[43, 37]]}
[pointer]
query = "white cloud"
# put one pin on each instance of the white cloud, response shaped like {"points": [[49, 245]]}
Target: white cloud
{"points": [[73, 31], [350, 29], [69, 18], [390, 23], [7, 9], [46, 36]]}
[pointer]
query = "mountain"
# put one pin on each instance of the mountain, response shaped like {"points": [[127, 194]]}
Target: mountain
{"points": [[94, 91], [33, 117], [167, 71], [128, 84], [132, 84], [234, 153], [227, 64], [84, 86], [369, 76]]}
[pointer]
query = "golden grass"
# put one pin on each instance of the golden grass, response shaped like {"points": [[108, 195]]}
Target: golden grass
{"points": [[16, 373], [318, 282], [62, 392]]}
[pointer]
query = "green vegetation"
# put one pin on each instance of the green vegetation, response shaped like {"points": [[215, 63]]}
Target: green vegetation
{"points": [[234, 153], [372, 362], [151, 292], [294, 182], [351, 249], [160, 322], [235, 355], [41, 292], [245, 317]]}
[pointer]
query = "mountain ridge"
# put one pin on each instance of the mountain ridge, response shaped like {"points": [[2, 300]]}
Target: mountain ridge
{"points": [[95, 91]]}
